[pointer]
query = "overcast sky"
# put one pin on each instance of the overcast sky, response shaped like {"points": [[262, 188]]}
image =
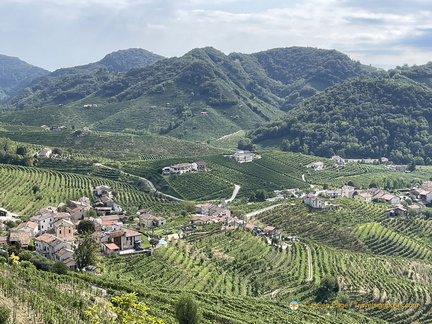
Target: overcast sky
{"points": [[61, 33]]}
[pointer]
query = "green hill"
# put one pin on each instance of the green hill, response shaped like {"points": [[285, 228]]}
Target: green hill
{"points": [[359, 118], [16, 74], [202, 95]]}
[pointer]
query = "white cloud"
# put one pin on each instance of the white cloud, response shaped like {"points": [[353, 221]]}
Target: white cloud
{"points": [[359, 28]]}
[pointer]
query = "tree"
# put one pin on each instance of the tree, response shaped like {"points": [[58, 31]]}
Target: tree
{"points": [[154, 241], [35, 189], [57, 151], [350, 183], [13, 259], [91, 213], [59, 268], [328, 289], [40, 262], [85, 252], [411, 166], [21, 150], [123, 309], [86, 226], [4, 314], [187, 311], [25, 255]]}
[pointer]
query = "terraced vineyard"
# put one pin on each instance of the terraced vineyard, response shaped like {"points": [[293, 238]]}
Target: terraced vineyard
{"points": [[200, 186], [273, 171], [18, 196], [382, 240], [236, 263], [39, 296], [118, 146], [328, 227]]}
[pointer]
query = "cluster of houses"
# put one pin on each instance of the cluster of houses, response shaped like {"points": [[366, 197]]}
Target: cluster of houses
{"points": [[339, 161], [54, 232], [422, 197], [209, 213], [54, 128], [185, 168]]}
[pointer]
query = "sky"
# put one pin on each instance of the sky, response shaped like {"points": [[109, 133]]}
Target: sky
{"points": [[62, 33]]}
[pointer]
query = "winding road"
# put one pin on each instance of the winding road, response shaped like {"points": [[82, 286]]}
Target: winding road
{"points": [[234, 194]]}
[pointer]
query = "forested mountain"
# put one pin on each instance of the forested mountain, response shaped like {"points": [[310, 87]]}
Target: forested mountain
{"points": [[297, 72], [364, 118], [119, 61], [15, 74], [203, 95], [419, 73], [71, 84]]}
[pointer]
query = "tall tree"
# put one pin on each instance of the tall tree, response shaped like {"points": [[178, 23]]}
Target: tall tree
{"points": [[187, 311], [86, 252], [86, 226]]}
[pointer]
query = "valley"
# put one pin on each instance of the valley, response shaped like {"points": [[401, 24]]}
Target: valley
{"points": [[246, 181]]}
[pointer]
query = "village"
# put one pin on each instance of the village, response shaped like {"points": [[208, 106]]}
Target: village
{"points": [[53, 232]]}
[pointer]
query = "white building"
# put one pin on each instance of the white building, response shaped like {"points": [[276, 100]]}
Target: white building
{"points": [[243, 156]]}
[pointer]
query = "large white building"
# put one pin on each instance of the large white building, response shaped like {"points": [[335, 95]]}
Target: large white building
{"points": [[243, 156]]}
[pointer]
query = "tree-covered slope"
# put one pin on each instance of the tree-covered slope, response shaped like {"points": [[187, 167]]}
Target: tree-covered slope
{"points": [[15, 74], [359, 118], [296, 73], [202, 95]]}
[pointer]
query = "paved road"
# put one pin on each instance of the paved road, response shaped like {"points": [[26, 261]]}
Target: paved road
{"points": [[234, 194], [149, 183], [256, 212]]}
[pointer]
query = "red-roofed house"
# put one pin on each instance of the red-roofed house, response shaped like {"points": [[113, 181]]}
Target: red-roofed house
{"points": [[110, 249], [124, 238], [270, 230]]}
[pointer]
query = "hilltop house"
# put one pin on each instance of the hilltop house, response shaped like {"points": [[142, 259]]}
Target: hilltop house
{"points": [[23, 234], [243, 156], [387, 197], [64, 229], [79, 209], [101, 190], [208, 209], [316, 202], [317, 165], [338, 160], [397, 210], [44, 221], [45, 153], [184, 168], [348, 191]]}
